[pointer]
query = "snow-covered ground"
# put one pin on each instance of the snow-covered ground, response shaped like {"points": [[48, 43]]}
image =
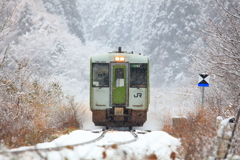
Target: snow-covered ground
{"points": [[157, 143]]}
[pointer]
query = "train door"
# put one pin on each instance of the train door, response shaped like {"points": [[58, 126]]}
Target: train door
{"points": [[119, 85]]}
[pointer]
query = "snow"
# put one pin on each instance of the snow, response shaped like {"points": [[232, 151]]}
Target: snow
{"points": [[156, 142], [219, 118], [224, 128]]}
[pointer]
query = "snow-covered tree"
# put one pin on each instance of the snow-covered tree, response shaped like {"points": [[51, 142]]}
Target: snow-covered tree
{"points": [[219, 56], [160, 29], [32, 104], [6, 13], [69, 11]]}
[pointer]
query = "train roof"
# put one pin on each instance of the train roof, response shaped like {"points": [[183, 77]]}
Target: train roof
{"points": [[128, 56]]}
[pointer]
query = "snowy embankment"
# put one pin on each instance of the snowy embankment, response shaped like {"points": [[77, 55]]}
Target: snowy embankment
{"points": [[157, 143]]}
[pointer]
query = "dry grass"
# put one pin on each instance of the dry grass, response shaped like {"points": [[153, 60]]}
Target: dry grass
{"points": [[33, 110], [37, 115], [196, 132], [152, 157]]}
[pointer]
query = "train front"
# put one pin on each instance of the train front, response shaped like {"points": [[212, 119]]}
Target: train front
{"points": [[119, 89]]}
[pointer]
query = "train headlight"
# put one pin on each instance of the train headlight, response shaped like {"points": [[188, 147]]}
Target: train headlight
{"points": [[119, 59], [122, 59]]}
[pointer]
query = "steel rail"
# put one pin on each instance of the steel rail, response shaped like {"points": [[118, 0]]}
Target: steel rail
{"points": [[57, 148], [122, 143]]}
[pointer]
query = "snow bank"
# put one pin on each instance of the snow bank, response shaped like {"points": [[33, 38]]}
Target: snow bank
{"points": [[157, 142]]}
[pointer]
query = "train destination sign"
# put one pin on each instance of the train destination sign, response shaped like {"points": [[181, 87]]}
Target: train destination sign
{"points": [[203, 80]]}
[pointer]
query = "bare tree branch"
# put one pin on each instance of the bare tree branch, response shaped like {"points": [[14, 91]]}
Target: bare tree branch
{"points": [[6, 15], [226, 10], [4, 57]]}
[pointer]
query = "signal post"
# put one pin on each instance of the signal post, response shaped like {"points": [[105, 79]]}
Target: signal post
{"points": [[203, 81]]}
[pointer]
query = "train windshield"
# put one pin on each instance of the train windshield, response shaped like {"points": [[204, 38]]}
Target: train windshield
{"points": [[100, 74], [138, 75]]}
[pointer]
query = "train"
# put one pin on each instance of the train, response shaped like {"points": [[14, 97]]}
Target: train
{"points": [[119, 89]]}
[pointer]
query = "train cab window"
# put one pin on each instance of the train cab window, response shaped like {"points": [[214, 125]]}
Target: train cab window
{"points": [[138, 75], [100, 74], [119, 75]]}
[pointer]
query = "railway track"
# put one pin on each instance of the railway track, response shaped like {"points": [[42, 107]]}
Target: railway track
{"points": [[57, 148], [123, 142]]}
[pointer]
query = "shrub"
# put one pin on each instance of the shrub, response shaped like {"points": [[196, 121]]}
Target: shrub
{"points": [[196, 132], [32, 110]]}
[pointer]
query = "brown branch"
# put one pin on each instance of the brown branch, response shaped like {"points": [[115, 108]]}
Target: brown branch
{"points": [[4, 57], [221, 5], [7, 19]]}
